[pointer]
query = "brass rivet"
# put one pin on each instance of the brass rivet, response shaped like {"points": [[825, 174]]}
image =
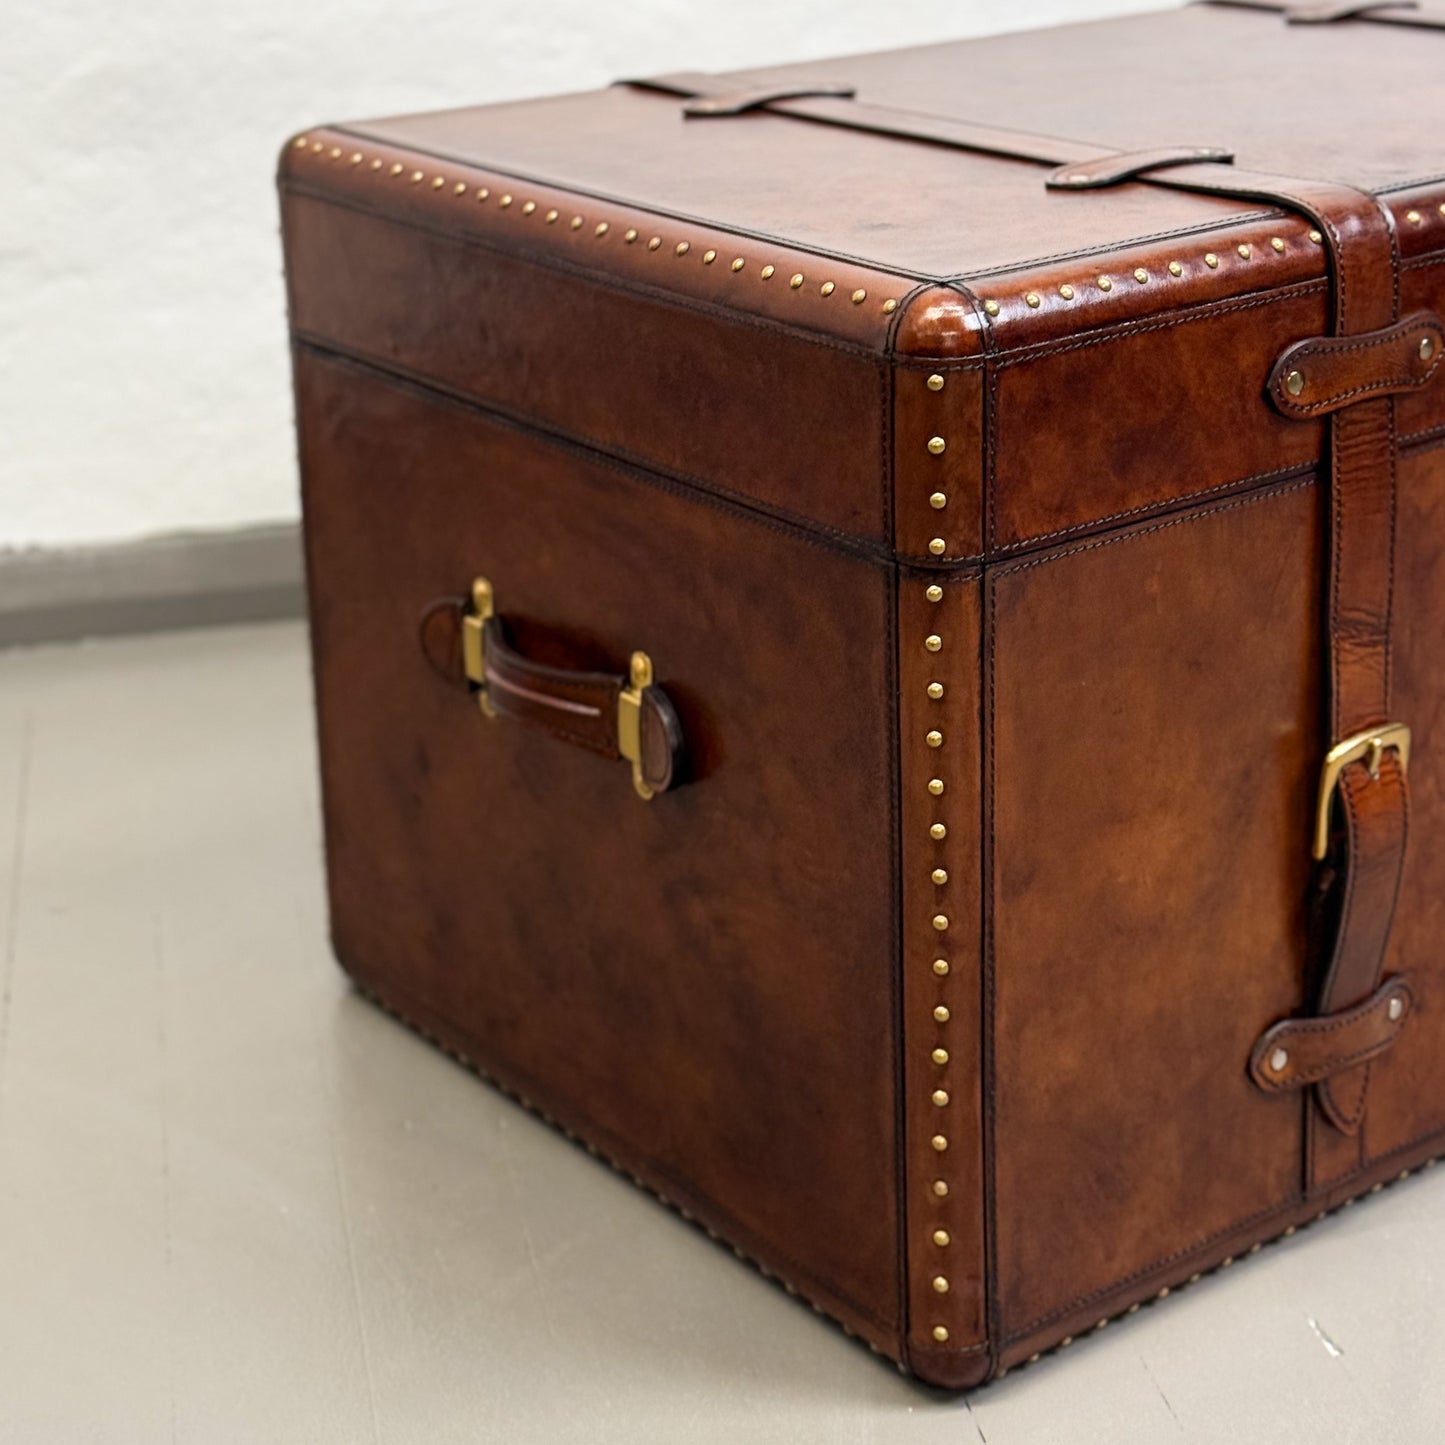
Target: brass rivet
{"points": [[357, 158], [991, 307], [940, 922], [941, 1014], [575, 223], [1427, 347], [934, 738], [1175, 269], [1066, 291], [437, 182], [738, 263], [937, 446], [529, 206], [1414, 217], [681, 249], [1395, 1008], [1141, 275], [629, 235], [940, 967], [938, 501], [1101, 1324], [460, 189], [933, 642], [1034, 300], [1163, 1293], [1442, 212], [937, 832], [505, 202], [1294, 382], [940, 1056], [935, 786], [889, 306], [336, 153], [1317, 238], [1278, 1059], [300, 142], [940, 1333], [708, 257], [938, 546], [1246, 252], [859, 297], [826, 289], [940, 1188], [767, 273], [600, 229], [942, 1238], [1066, 1342], [1211, 260], [397, 168], [551, 217], [939, 1143], [935, 382], [939, 876], [483, 192], [1105, 284], [1289, 1230], [934, 592], [417, 176], [940, 1285], [1227, 1261], [935, 690], [940, 1098], [317, 147], [654, 243], [1277, 243]]}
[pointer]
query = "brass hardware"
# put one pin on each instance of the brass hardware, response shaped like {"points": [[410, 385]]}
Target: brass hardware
{"points": [[629, 235], [938, 501], [1317, 238], [1294, 383], [940, 922], [1105, 284], [934, 593], [483, 192], [708, 257], [941, 1014], [1175, 269], [938, 546], [890, 306], [940, 1056], [505, 202], [460, 189], [682, 248], [738, 263], [937, 831], [991, 307], [939, 876], [1211, 260], [935, 786], [935, 690], [575, 223], [551, 217], [795, 280], [934, 738], [336, 153], [767, 273], [940, 1188], [654, 243], [397, 168], [940, 1098], [1141, 275], [939, 1143], [859, 297], [940, 1333], [300, 142], [940, 967], [935, 382], [529, 206], [473, 662], [942, 1238], [629, 720], [1066, 291], [1414, 217], [827, 288], [1033, 300], [937, 446], [1278, 1059], [940, 1285], [933, 642], [1277, 243], [600, 229], [1427, 348], [1246, 252], [1369, 746]]}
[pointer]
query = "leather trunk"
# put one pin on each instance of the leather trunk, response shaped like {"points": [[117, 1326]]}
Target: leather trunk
{"points": [[1010, 546]]}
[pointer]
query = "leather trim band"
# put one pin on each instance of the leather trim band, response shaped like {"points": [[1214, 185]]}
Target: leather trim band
{"points": [[1325, 373], [1128, 165], [1403, 12]]}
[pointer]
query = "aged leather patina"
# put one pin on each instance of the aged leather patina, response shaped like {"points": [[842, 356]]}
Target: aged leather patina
{"points": [[1020, 465]]}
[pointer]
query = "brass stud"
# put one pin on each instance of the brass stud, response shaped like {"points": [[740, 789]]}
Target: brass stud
{"points": [[1175, 269], [935, 690], [795, 280], [940, 1056], [991, 307], [939, 876], [575, 223], [941, 1014], [600, 229], [1276, 243], [357, 158], [942, 1238], [937, 832], [1211, 260], [629, 235], [940, 922], [1442, 208], [397, 168], [1289, 1230], [437, 182], [1033, 300], [300, 142], [460, 189], [681, 249], [1317, 238], [1227, 1261], [940, 1284], [505, 202], [767, 273], [934, 738], [1066, 1342], [826, 289], [937, 446], [1066, 291], [654, 243], [934, 592], [933, 642], [1414, 217], [738, 263], [1193, 1279], [1255, 1248], [336, 153], [1141, 275], [859, 297], [938, 501], [940, 967], [1034, 1358], [1246, 252], [708, 257], [1427, 350], [551, 217], [940, 1333], [1101, 1324], [940, 1098], [940, 1188], [417, 176], [1294, 382], [935, 382], [890, 305], [940, 1144], [317, 147], [1105, 284], [529, 206], [1163, 1293], [938, 546], [935, 786]]}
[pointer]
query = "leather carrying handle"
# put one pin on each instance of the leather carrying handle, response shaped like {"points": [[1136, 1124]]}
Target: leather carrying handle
{"points": [[628, 718]]}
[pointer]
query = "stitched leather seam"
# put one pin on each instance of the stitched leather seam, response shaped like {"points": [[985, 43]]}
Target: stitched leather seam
{"points": [[1323, 1070], [1380, 388]]}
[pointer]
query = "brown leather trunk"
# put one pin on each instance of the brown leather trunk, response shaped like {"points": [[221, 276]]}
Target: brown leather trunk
{"points": [[1021, 463]]}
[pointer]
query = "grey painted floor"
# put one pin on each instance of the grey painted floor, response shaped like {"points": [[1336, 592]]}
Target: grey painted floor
{"points": [[237, 1204]]}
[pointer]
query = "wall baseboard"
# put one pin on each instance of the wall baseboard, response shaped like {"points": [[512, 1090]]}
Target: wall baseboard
{"points": [[159, 584]]}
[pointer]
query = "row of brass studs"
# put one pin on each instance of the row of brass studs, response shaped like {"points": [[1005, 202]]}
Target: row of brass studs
{"points": [[600, 230], [1142, 277], [1229, 1260]]}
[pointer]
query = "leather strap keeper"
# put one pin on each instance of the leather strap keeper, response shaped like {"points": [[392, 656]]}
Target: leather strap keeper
{"points": [[1319, 376], [1298, 1052]]}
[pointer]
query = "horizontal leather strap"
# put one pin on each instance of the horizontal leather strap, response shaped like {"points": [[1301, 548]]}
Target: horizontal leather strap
{"points": [[1297, 1052], [744, 100], [1402, 12], [1327, 372], [1126, 165]]}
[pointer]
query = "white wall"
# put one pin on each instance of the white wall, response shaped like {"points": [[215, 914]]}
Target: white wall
{"points": [[143, 366]]}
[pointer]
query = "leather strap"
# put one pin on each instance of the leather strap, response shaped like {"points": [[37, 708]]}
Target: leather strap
{"points": [[1313, 378], [1402, 12]]}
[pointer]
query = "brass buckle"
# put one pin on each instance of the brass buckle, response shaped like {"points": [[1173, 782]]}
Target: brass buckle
{"points": [[1372, 744], [474, 662], [629, 720]]}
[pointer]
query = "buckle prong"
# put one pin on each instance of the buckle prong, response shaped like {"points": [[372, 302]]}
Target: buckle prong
{"points": [[1370, 747]]}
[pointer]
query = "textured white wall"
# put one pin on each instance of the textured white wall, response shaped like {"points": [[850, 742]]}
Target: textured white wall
{"points": [[143, 367]]}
